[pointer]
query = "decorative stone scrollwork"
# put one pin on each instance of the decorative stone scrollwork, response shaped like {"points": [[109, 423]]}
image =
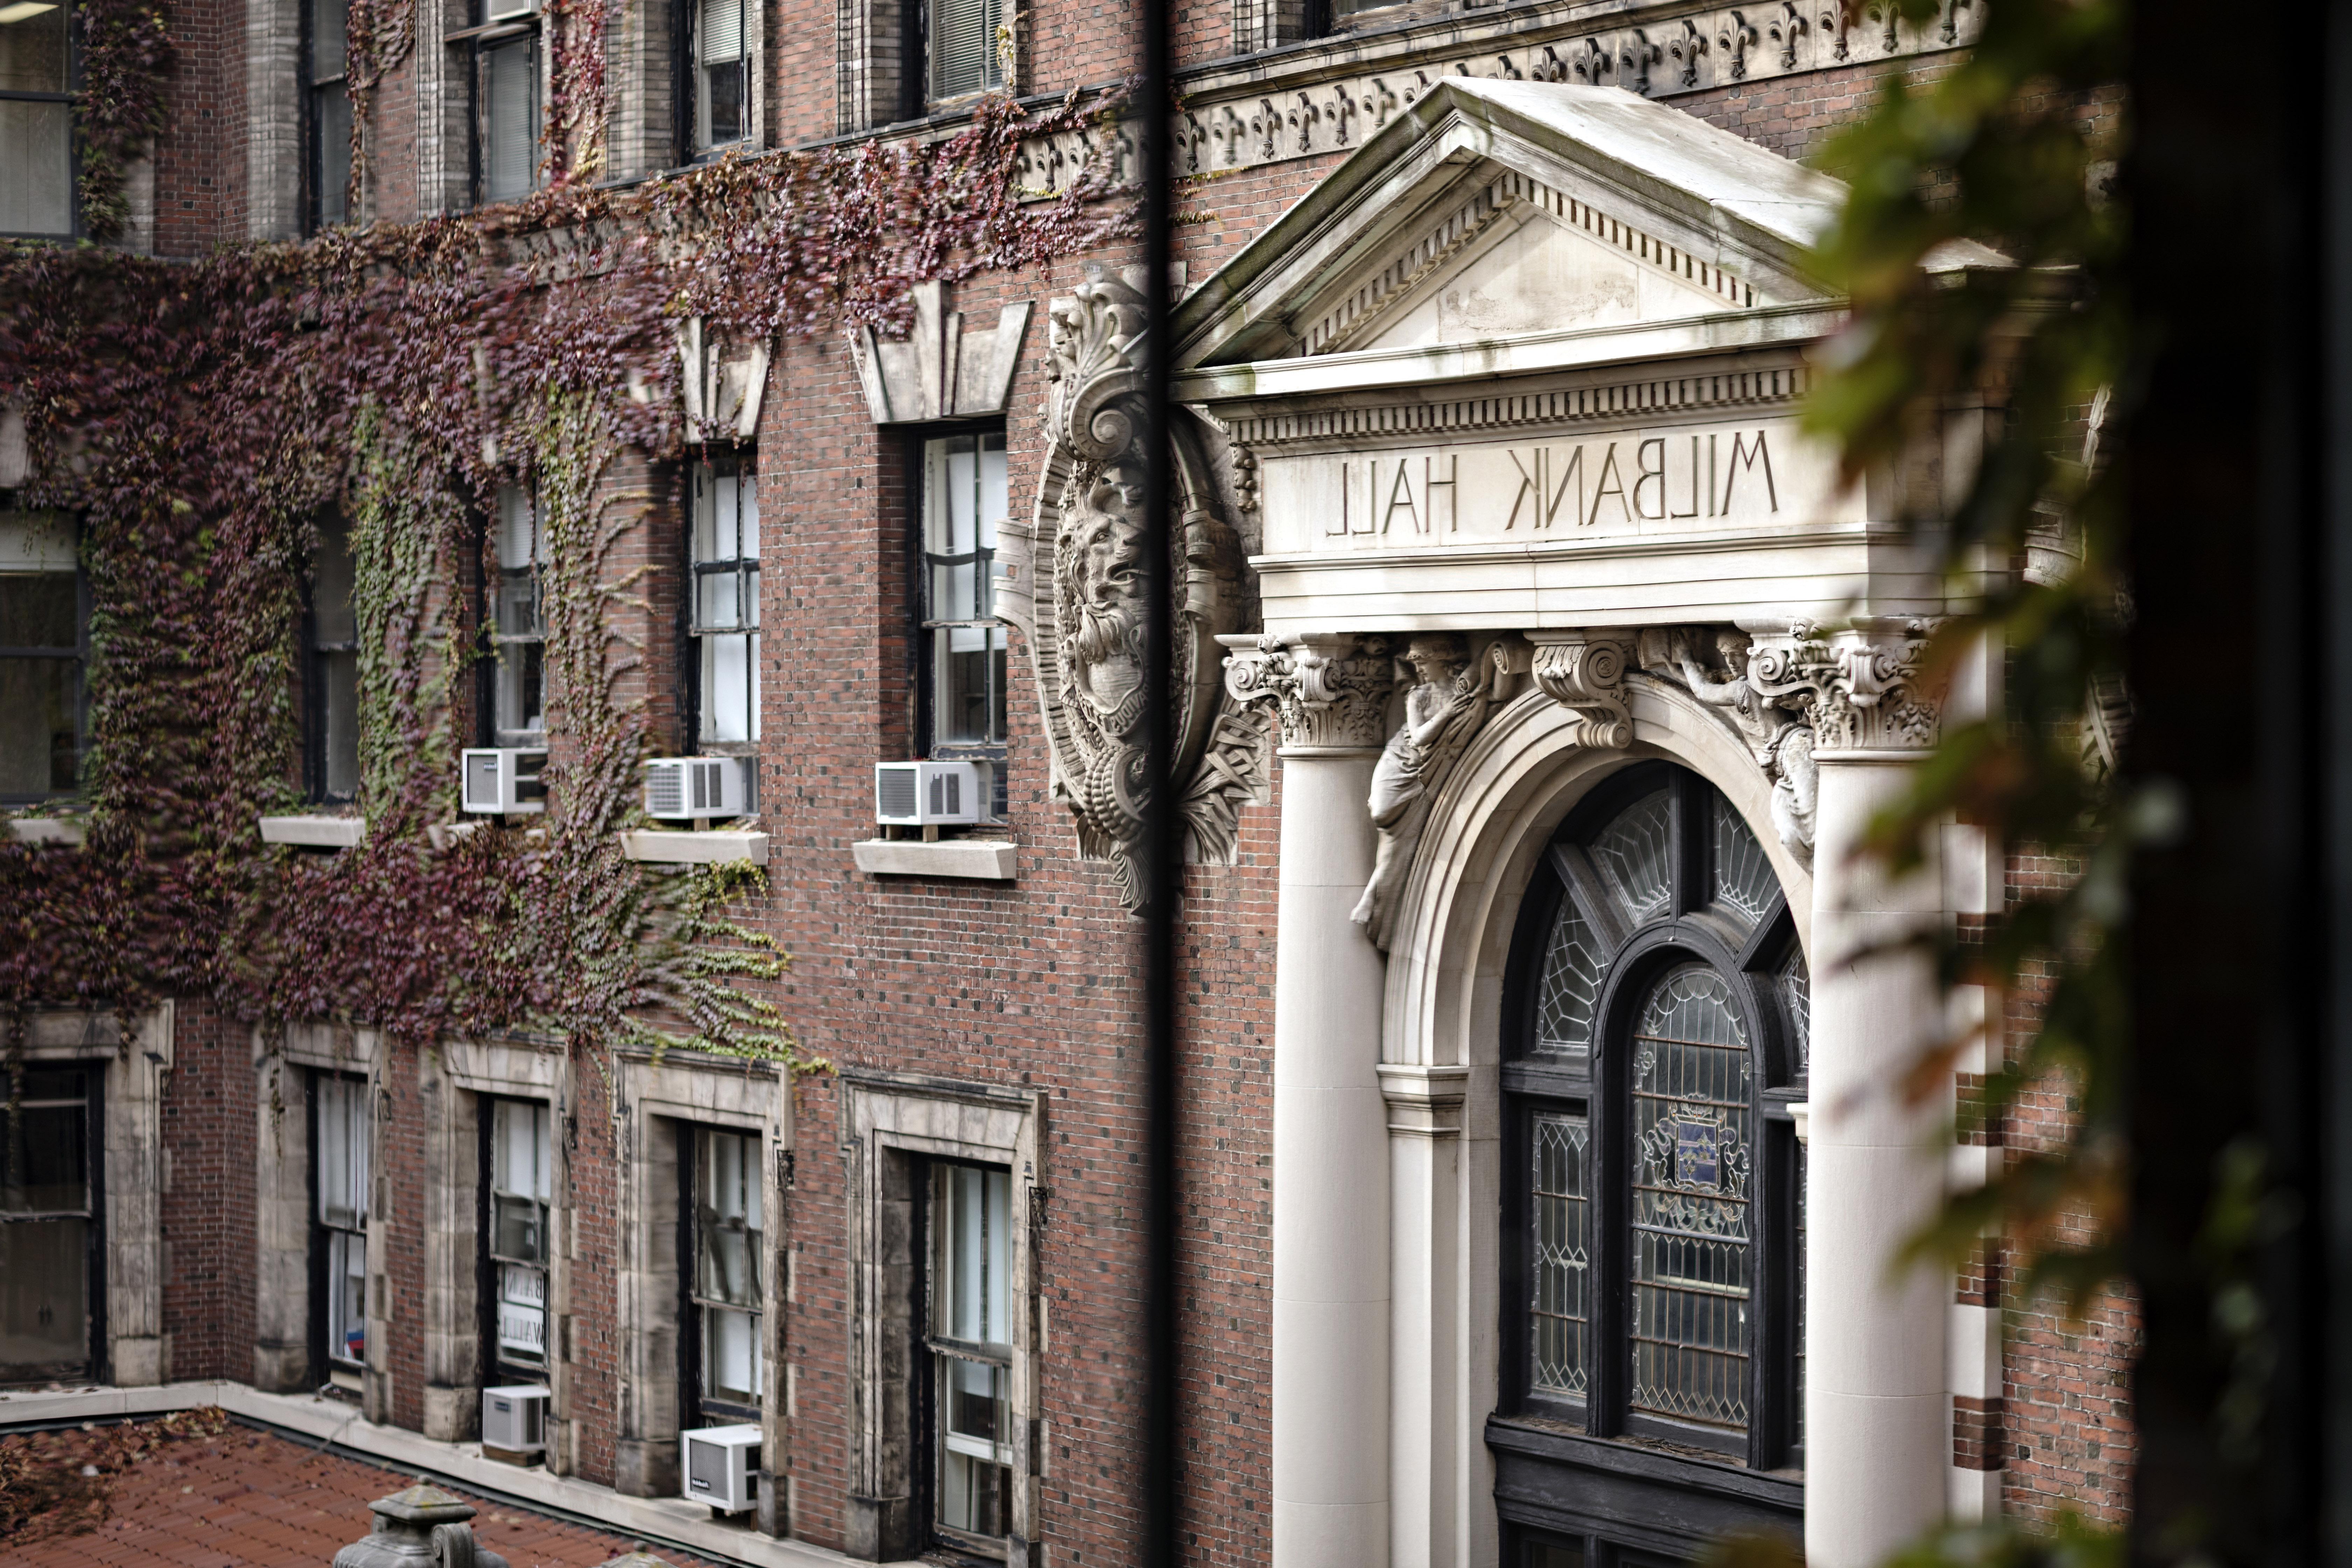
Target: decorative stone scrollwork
{"points": [[1587, 674], [1076, 585], [1330, 693]]}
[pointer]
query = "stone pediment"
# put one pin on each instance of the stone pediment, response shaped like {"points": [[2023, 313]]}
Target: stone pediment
{"points": [[1496, 209]]}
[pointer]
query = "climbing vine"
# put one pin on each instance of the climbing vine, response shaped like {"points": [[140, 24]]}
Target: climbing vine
{"points": [[126, 51], [199, 420]]}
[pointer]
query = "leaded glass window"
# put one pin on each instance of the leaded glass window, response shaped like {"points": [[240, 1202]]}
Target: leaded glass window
{"points": [[1692, 1130], [1796, 987], [1660, 1001], [1562, 1254]]}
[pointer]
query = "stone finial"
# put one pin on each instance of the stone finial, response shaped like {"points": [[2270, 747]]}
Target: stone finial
{"points": [[421, 1526]]}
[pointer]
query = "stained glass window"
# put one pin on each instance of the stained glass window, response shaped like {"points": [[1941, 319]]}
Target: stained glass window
{"points": [[1634, 854], [1796, 987], [1570, 987], [1562, 1306], [1691, 1133], [1743, 876]]}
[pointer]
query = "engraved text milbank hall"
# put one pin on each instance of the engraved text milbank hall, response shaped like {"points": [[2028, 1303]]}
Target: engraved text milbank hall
{"points": [[1537, 674]]}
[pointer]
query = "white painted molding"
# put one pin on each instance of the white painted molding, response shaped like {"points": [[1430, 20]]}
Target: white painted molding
{"points": [[696, 849], [46, 830], [671, 1522], [977, 859], [314, 832]]}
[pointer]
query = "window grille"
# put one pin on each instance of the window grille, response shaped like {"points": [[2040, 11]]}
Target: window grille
{"points": [[328, 109], [36, 132], [521, 1182], [726, 1286], [722, 72], [44, 653], [970, 1344], [963, 47], [517, 637], [725, 617]]}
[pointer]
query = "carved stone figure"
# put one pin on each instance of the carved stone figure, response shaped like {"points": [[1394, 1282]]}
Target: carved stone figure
{"points": [[1076, 583], [1449, 700]]}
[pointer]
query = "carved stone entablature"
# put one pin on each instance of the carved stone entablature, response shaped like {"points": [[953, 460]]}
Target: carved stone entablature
{"points": [[949, 365], [1269, 111], [1586, 673], [1075, 584], [1330, 692]]}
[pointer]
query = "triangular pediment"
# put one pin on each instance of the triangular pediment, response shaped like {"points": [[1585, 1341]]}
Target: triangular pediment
{"points": [[1492, 210]]}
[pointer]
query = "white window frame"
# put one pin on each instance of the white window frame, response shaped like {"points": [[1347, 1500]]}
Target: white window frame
{"points": [[517, 624], [723, 601], [521, 1172], [342, 1151], [958, 617]]}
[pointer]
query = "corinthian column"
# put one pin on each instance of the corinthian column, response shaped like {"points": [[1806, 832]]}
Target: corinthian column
{"points": [[1877, 1410], [1331, 1347]]}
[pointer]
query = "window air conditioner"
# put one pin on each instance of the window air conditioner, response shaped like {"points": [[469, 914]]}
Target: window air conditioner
{"points": [[722, 1463], [514, 1420], [503, 781], [696, 786], [917, 794]]}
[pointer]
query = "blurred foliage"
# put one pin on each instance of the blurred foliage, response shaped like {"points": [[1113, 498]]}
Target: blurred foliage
{"points": [[2014, 149]]}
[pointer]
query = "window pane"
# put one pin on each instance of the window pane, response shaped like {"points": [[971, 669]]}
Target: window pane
{"points": [[1632, 853], [1549, 1555], [333, 172], [518, 529], [718, 600], [33, 48], [968, 682], [748, 513], [44, 1296], [39, 752], [1570, 985], [955, 591], [347, 1296], [522, 1313], [510, 88], [727, 677], [1795, 983], [39, 609], [342, 684], [1691, 1140], [46, 1160], [727, 1214], [1563, 1251], [333, 577], [995, 498], [976, 1424], [36, 167], [342, 1177], [971, 1297], [1743, 877], [963, 47], [327, 32], [730, 1355]]}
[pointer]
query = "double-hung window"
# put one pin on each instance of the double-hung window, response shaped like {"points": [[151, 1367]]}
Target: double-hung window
{"points": [[331, 681], [517, 1247], [970, 1341], [508, 116], [721, 83], [965, 58], [51, 1263], [36, 120], [964, 670], [518, 636], [724, 1292], [1653, 1218], [340, 1173], [724, 619], [43, 650], [327, 110]]}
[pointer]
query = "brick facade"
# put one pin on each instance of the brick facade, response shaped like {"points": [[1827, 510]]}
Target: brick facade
{"points": [[1029, 983]]}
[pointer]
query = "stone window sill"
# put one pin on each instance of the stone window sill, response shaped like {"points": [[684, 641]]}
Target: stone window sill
{"points": [[972, 859], [704, 848], [314, 832], [47, 830]]}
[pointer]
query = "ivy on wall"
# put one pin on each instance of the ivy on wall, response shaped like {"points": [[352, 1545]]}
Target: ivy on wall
{"points": [[126, 50], [198, 420]]}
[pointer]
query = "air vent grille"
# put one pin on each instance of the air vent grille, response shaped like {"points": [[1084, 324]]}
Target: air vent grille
{"points": [[897, 787]]}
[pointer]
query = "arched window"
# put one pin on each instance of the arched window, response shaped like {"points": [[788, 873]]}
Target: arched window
{"points": [[1655, 1038]]}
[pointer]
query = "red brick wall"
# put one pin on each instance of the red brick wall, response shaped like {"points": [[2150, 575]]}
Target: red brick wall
{"points": [[209, 1227]]}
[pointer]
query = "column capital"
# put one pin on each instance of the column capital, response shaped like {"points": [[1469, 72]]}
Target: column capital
{"points": [[1860, 687], [1586, 671], [1331, 691]]}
